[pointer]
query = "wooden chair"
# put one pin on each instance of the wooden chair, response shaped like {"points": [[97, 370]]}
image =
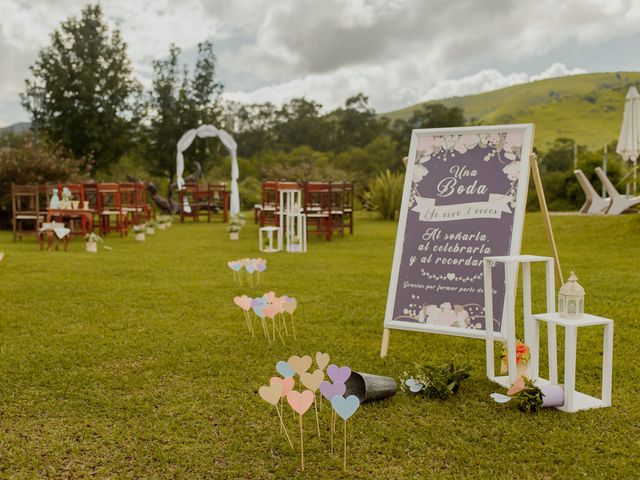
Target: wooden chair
{"points": [[594, 203], [199, 199], [619, 203], [336, 200], [317, 207], [25, 203], [220, 200], [347, 206], [109, 208], [269, 207], [133, 205]]}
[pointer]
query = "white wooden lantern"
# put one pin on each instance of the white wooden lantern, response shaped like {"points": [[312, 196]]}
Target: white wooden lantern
{"points": [[571, 299]]}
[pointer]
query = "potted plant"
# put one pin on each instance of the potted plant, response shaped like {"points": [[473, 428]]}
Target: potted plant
{"points": [[523, 355], [150, 227], [138, 230], [235, 225], [92, 240], [296, 245]]}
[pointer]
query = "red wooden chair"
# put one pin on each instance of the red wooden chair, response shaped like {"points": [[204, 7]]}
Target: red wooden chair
{"points": [[317, 207], [133, 205], [109, 207], [347, 206], [220, 200], [200, 200]]}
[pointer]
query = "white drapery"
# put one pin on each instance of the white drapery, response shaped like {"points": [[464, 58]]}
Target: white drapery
{"points": [[204, 131]]}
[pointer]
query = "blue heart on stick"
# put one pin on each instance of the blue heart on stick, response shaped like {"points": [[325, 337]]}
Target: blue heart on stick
{"points": [[284, 369], [345, 407], [414, 385]]}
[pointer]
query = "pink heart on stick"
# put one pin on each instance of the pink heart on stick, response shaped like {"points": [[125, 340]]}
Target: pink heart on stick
{"points": [[287, 384], [300, 402], [336, 374], [330, 390], [243, 302], [270, 311]]}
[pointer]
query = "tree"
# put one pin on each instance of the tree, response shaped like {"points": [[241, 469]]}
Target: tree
{"points": [[299, 123], [430, 115], [178, 103], [356, 124], [90, 89]]}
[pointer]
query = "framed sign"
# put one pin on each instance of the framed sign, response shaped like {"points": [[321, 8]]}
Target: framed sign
{"points": [[464, 199]]}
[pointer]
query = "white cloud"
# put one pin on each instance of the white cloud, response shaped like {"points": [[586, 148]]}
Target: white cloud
{"points": [[396, 51]]}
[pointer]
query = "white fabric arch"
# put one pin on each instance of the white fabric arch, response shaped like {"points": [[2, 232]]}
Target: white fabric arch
{"points": [[204, 131]]}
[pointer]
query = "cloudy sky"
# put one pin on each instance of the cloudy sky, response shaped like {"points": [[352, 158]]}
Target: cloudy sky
{"points": [[398, 52]]}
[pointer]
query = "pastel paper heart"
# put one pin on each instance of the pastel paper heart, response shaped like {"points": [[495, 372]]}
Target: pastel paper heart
{"points": [[300, 401], [322, 360], [258, 309], [336, 374], [250, 267], [261, 267], [272, 393], [284, 369], [243, 302], [279, 303], [330, 390], [287, 384], [270, 311], [291, 305], [414, 385], [269, 296], [500, 398], [345, 407], [516, 387], [235, 266], [312, 380], [300, 365]]}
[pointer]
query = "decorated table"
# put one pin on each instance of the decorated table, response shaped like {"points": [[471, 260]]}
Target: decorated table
{"points": [[85, 215]]}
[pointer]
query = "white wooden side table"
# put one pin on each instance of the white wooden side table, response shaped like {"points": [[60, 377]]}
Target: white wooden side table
{"points": [[508, 325], [269, 231], [573, 400]]}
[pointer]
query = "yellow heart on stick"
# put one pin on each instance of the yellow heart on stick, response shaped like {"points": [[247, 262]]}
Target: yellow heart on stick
{"points": [[322, 360], [312, 380], [272, 393], [300, 365]]}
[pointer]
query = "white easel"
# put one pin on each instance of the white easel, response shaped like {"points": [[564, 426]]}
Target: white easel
{"points": [[511, 264], [293, 223]]}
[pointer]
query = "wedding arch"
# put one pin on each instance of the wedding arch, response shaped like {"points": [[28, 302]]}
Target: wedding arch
{"points": [[204, 131]]}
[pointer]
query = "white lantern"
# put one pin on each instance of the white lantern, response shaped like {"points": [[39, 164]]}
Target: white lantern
{"points": [[571, 299]]}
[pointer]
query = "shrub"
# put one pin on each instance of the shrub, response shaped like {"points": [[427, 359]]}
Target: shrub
{"points": [[384, 194]]}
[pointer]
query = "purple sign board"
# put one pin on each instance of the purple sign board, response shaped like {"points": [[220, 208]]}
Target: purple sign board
{"points": [[464, 199]]}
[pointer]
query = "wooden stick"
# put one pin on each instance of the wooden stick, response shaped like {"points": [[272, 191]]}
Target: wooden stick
{"points": [[284, 324], [293, 326], [333, 426], [535, 173], [301, 445], [344, 464], [315, 407], [282, 426], [276, 329]]}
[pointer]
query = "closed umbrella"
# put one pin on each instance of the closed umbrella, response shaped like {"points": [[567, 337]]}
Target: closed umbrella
{"points": [[629, 140]]}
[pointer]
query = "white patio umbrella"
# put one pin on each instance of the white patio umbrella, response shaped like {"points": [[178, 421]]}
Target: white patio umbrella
{"points": [[629, 140]]}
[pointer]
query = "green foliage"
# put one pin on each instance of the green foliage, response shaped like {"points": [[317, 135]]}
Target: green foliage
{"points": [[89, 105], [384, 194], [19, 165], [529, 399], [180, 102], [438, 381], [99, 382]]}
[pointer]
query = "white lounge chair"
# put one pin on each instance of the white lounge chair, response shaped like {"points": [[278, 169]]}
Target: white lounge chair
{"points": [[619, 203], [594, 203]]}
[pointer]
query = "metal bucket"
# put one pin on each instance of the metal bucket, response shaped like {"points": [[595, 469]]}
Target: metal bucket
{"points": [[369, 387]]}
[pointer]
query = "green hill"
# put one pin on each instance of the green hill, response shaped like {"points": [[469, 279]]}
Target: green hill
{"points": [[587, 108]]}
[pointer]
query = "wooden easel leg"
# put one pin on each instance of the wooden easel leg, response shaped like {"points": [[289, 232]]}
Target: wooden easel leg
{"points": [[535, 173], [385, 342]]}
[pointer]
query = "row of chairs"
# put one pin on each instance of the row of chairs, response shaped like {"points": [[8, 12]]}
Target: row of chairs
{"points": [[111, 207], [328, 206], [208, 198]]}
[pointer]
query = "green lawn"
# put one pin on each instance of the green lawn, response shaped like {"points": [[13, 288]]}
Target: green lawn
{"points": [[135, 363]]}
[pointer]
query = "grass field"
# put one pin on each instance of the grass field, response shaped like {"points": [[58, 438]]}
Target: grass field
{"points": [[587, 108], [135, 363]]}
